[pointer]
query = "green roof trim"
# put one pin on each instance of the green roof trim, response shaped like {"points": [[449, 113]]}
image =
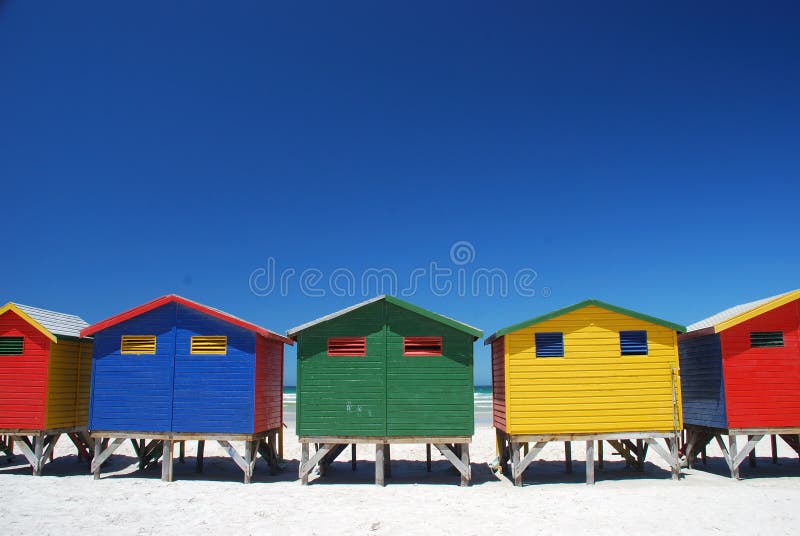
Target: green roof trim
{"points": [[455, 324], [581, 305]]}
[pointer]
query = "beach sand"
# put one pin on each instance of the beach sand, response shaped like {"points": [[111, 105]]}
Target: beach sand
{"points": [[66, 500]]}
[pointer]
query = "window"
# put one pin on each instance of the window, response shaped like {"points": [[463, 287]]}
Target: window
{"points": [[347, 346], [422, 346], [11, 345], [766, 339], [209, 345], [633, 342], [138, 344], [549, 344]]}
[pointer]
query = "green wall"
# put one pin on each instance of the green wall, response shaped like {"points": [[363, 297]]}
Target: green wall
{"points": [[384, 393]]}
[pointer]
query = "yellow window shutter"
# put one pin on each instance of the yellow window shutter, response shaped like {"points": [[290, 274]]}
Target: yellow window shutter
{"points": [[209, 345], [138, 344]]}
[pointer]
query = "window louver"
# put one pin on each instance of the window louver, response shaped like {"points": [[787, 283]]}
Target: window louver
{"points": [[11, 345], [422, 346], [138, 344], [633, 342], [549, 344], [209, 345], [347, 346], [766, 339]]}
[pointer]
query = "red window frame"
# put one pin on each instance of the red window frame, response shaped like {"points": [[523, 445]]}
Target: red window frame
{"points": [[421, 342], [347, 346]]}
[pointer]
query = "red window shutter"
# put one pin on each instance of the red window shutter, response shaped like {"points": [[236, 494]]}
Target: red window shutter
{"points": [[422, 346], [347, 346]]}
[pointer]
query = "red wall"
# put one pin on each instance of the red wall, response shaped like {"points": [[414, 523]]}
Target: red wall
{"points": [[23, 379], [269, 384], [499, 384], [762, 385]]}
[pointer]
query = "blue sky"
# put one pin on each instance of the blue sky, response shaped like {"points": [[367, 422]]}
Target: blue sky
{"points": [[642, 153]]}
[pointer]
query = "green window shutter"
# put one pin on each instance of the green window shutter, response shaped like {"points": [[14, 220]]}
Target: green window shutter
{"points": [[11, 345]]}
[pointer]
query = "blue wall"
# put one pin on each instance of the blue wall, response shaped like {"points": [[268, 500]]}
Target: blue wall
{"points": [[702, 384], [173, 390]]}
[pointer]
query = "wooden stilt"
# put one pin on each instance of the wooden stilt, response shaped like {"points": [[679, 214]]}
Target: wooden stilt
{"points": [[166, 461], [201, 447], [280, 443], [98, 450], [568, 455], [600, 455], [515, 462], [248, 460], [752, 455], [640, 455], [303, 462], [428, 457], [675, 463], [142, 460], [387, 460], [773, 440], [182, 452], [466, 479], [703, 456], [379, 465], [590, 462], [38, 458], [353, 457], [732, 453]]}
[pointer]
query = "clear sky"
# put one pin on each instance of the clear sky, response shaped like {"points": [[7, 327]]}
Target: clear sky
{"points": [[642, 153]]}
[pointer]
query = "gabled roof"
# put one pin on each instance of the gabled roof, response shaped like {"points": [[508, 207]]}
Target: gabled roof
{"points": [[455, 324], [581, 305], [740, 313], [50, 323], [172, 298]]}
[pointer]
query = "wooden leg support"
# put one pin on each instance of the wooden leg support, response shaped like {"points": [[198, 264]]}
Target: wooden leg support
{"points": [[515, 459], [303, 462], [428, 457], [201, 447], [166, 461], [466, 476], [600, 455], [590, 462], [387, 460], [379, 465], [353, 457], [774, 444], [568, 455]]}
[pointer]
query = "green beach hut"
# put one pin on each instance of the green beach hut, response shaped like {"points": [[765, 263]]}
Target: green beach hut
{"points": [[380, 372]]}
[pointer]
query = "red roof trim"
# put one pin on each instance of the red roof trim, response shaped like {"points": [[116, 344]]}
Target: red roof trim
{"points": [[172, 298]]}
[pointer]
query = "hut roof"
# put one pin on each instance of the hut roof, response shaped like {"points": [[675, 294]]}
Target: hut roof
{"points": [[581, 305], [455, 324], [740, 313], [172, 298], [50, 323]]}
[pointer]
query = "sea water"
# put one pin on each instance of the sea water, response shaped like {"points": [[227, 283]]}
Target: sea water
{"points": [[482, 396]]}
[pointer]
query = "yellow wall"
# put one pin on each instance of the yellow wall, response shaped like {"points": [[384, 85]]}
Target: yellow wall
{"points": [[68, 380], [592, 388]]}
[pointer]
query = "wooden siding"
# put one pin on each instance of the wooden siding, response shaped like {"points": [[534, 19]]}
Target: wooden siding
{"points": [[593, 388], [343, 395], [428, 395], [23, 379], [499, 383], [702, 387], [66, 407], [762, 384], [268, 385], [134, 392], [213, 392]]}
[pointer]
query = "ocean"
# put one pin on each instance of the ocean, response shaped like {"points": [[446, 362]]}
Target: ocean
{"points": [[483, 404]]}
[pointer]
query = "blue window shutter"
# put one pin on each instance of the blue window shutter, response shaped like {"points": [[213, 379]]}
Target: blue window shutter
{"points": [[549, 344], [633, 342]]}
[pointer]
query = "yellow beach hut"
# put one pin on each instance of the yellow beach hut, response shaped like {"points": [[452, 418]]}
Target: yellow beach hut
{"points": [[590, 372]]}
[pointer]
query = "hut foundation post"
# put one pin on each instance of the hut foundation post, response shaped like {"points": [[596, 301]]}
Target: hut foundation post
{"points": [[98, 450], [752, 455], [379, 481], [774, 444], [38, 460], [303, 462], [353, 457], [182, 452], [201, 447], [166, 461], [515, 448], [676, 462], [732, 455], [600, 455], [568, 455], [142, 444], [640, 455], [387, 460], [428, 457], [590, 462], [466, 478], [248, 461]]}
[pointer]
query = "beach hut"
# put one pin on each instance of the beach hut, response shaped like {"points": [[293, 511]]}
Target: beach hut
{"points": [[173, 370], [380, 372], [740, 371], [589, 372], [44, 382]]}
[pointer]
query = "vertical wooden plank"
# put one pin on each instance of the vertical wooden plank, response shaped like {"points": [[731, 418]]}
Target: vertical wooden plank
{"points": [[515, 448], [387, 460], [600, 455], [428, 457], [142, 444], [280, 443], [182, 452], [98, 450], [166, 461], [568, 455], [640, 455], [303, 461], [590, 462], [466, 479], [773, 441], [201, 447], [732, 452], [248, 459], [752, 455], [676, 462], [353, 456], [37, 455], [379, 481]]}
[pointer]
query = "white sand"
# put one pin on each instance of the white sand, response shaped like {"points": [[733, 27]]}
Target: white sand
{"points": [[125, 501]]}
